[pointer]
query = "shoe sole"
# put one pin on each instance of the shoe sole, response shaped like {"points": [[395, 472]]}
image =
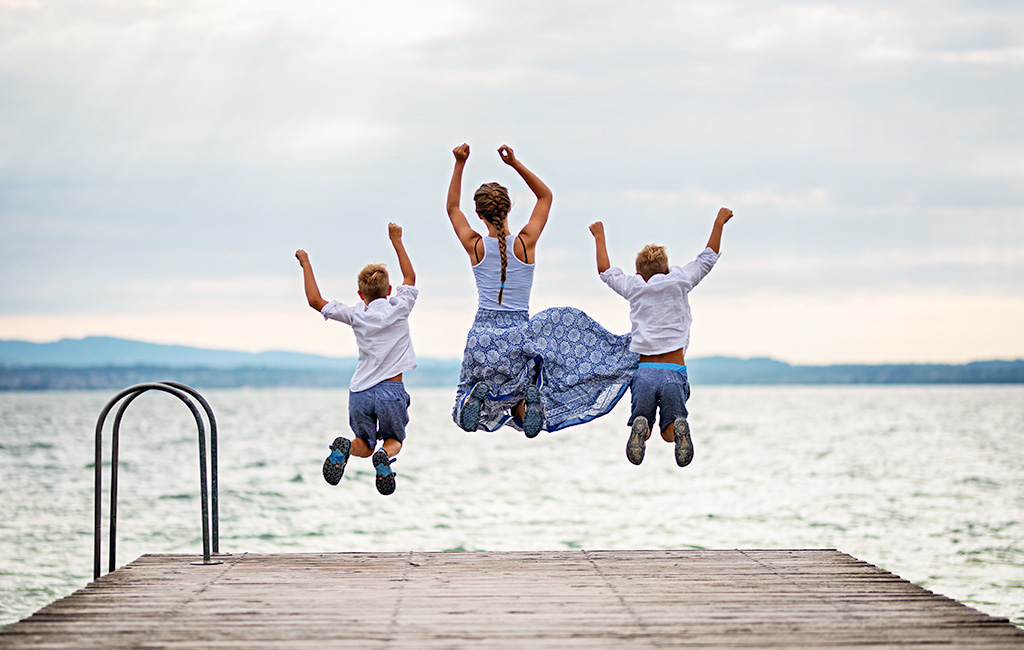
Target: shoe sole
{"points": [[334, 471], [470, 415], [637, 440], [385, 481], [684, 445], [533, 412]]}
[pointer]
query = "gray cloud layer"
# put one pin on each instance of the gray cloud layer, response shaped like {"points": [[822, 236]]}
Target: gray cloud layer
{"points": [[150, 149]]}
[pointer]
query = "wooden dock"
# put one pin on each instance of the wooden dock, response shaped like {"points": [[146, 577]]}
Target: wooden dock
{"points": [[572, 599]]}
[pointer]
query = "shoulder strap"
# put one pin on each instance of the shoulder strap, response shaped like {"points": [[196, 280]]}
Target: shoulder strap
{"points": [[476, 251], [526, 255]]}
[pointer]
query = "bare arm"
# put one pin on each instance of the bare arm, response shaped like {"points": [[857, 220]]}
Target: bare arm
{"points": [[313, 296], [597, 229], [467, 236], [404, 263], [539, 217], [715, 241]]}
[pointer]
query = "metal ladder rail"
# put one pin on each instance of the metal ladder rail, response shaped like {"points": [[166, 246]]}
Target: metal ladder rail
{"points": [[214, 502], [131, 394]]}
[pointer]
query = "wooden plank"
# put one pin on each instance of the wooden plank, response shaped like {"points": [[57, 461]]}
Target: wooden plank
{"points": [[567, 599]]}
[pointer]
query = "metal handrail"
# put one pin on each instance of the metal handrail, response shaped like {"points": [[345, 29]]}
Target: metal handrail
{"points": [[182, 392]]}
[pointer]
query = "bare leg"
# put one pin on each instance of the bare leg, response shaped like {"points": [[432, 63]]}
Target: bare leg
{"points": [[668, 433], [360, 448], [392, 446]]}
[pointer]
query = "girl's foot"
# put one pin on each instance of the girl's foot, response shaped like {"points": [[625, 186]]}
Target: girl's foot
{"points": [[385, 477], [684, 446], [469, 415], [638, 436], [533, 412], [334, 465]]}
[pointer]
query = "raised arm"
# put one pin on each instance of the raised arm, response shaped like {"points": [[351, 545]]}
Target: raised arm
{"points": [[467, 236], [313, 296], [404, 263], [597, 229], [715, 241], [539, 217]]}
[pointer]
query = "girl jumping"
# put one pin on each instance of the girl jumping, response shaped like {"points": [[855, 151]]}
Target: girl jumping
{"points": [[555, 370]]}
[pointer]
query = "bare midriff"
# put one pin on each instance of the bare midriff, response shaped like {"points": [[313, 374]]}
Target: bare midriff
{"points": [[397, 377], [675, 356]]}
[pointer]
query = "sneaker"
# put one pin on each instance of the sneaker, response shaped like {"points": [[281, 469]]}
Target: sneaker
{"points": [[533, 412], [638, 436], [334, 466], [385, 477], [469, 416], [684, 446]]}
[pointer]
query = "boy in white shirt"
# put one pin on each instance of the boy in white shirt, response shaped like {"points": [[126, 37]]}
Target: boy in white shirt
{"points": [[660, 315], [378, 405]]}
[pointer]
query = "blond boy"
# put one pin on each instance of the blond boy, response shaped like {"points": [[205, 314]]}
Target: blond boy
{"points": [[378, 403], [659, 312]]}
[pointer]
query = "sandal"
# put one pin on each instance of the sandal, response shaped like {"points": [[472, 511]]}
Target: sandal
{"points": [[334, 465]]}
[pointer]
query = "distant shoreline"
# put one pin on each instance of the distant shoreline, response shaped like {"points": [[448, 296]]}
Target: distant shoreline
{"points": [[432, 373]]}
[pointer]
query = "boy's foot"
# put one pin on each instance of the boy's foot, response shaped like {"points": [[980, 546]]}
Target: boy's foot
{"points": [[684, 446], [334, 466], [533, 412], [638, 436], [469, 416], [385, 477]]}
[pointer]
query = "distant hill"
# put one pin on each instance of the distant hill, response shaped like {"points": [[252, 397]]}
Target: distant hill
{"points": [[111, 363], [100, 351], [728, 370]]}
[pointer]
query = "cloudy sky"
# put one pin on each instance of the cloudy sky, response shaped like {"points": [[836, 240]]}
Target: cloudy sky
{"points": [[160, 162]]}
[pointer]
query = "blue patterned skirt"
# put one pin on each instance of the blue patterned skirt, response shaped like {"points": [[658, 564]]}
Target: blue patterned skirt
{"points": [[582, 369]]}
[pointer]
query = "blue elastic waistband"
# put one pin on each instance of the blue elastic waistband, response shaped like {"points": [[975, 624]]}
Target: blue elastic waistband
{"points": [[664, 366]]}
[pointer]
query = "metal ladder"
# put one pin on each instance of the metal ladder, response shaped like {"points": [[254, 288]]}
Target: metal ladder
{"points": [[185, 394]]}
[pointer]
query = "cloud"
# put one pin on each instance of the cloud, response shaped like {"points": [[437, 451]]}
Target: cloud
{"points": [[807, 200], [173, 155]]}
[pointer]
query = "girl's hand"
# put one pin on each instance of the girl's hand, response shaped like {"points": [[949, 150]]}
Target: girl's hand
{"points": [[507, 155], [394, 231], [724, 214], [302, 256], [597, 229], [461, 152]]}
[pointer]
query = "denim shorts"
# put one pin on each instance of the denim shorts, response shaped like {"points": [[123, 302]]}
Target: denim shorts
{"points": [[379, 412], [659, 388]]}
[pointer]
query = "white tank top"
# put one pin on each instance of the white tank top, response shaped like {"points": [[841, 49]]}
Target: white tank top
{"points": [[518, 278]]}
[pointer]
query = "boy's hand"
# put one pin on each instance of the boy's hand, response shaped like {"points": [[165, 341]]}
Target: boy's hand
{"points": [[597, 229], [724, 214], [302, 257], [461, 152], [394, 231], [507, 155]]}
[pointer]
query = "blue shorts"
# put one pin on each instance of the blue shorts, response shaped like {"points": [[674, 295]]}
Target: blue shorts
{"points": [[379, 412], [659, 387]]}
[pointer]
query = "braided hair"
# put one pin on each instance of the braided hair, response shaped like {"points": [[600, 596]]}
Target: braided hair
{"points": [[493, 204]]}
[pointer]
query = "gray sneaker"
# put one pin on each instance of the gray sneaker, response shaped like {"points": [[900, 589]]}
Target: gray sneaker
{"points": [[469, 415], [684, 446], [533, 412], [638, 436]]}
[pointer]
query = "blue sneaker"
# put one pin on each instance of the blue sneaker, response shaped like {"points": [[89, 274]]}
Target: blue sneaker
{"points": [[469, 416], [385, 477], [334, 465], [533, 412], [638, 435]]}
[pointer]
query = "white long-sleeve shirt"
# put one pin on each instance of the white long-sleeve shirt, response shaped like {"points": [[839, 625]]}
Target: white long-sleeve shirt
{"points": [[382, 335], [659, 308]]}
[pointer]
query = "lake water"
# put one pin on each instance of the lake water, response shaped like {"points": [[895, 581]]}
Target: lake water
{"points": [[926, 482]]}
